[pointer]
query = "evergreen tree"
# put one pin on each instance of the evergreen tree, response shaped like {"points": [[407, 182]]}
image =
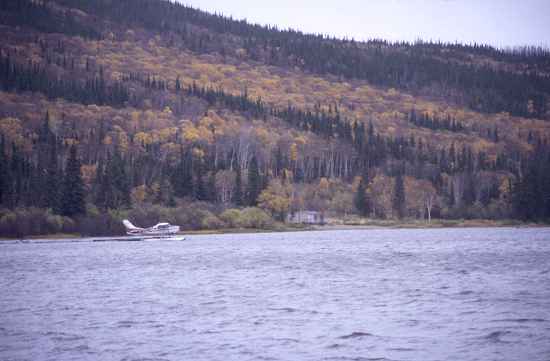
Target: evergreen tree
{"points": [[182, 178], [238, 190], [469, 194], [398, 201], [121, 180], [254, 186], [361, 199], [3, 171], [212, 196], [201, 193], [15, 177], [52, 184], [172, 201], [115, 185], [164, 195], [362, 203], [279, 166], [98, 185], [452, 196], [72, 195], [531, 192]]}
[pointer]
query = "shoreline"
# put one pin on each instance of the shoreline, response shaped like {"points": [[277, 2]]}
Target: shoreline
{"points": [[331, 226]]}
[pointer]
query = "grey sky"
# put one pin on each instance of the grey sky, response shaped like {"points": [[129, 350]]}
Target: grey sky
{"points": [[501, 23]]}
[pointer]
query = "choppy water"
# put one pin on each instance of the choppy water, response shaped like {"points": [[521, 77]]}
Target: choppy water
{"points": [[454, 294]]}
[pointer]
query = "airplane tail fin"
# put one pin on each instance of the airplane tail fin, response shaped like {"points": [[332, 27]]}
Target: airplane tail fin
{"points": [[129, 226]]}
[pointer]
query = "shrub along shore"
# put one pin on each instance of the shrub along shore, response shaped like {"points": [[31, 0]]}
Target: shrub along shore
{"points": [[197, 218]]}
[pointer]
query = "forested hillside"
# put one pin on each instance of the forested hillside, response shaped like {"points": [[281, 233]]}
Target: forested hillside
{"points": [[153, 110]]}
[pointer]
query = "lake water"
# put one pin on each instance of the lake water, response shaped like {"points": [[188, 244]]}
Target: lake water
{"points": [[451, 294]]}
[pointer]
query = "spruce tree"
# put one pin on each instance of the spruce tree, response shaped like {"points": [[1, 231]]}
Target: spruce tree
{"points": [[212, 196], [238, 190], [15, 177], [398, 201], [361, 200], [3, 171], [182, 179], [114, 189], [452, 196], [469, 194], [52, 184], [72, 195], [164, 195], [254, 185], [201, 193], [120, 180], [98, 185], [35, 190]]}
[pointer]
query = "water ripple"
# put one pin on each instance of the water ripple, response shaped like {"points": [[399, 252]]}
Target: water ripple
{"points": [[438, 294]]}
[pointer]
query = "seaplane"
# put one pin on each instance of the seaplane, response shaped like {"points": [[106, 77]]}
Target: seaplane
{"points": [[158, 230]]}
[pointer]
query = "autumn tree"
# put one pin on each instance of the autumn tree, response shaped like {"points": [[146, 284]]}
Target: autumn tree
{"points": [[276, 198]]}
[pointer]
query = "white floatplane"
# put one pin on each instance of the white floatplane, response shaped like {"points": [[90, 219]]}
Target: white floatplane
{"points": [[158, 230]]}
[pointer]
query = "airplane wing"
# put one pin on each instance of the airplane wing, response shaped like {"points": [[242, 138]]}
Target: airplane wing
{"points": [[130, 227]]}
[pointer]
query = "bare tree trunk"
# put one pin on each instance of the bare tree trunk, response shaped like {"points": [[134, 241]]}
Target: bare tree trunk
{"points": [[429, 205]]}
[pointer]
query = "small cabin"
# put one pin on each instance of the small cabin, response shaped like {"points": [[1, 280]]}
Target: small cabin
{"points": [[306, 217]]}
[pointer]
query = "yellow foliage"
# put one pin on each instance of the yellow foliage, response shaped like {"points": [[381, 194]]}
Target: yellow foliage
{"points": [[143, 138], [276, 198], [198, 153], [288, 174], [300, 140], [167, 133], [355, 183], [12, 130], [293, 152], [71, 141], [392, 92], [241, 52], [88, 173], [147, 103], [504, 187], [153, 190], [191, 134], [263, 135], [134, 120], [123, 141], [205, 134], [323, 184], [206, 122], [139, 194]]}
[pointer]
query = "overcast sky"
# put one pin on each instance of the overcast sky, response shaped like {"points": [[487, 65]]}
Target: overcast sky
{"points": [[501, 23]]}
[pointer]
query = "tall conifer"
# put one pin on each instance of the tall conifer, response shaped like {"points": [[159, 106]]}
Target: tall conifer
{"points": [[72, 195], [398, 201], [254, 185]]}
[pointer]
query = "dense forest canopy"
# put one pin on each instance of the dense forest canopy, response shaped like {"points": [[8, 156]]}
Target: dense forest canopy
{"points": [[163, 105]]}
